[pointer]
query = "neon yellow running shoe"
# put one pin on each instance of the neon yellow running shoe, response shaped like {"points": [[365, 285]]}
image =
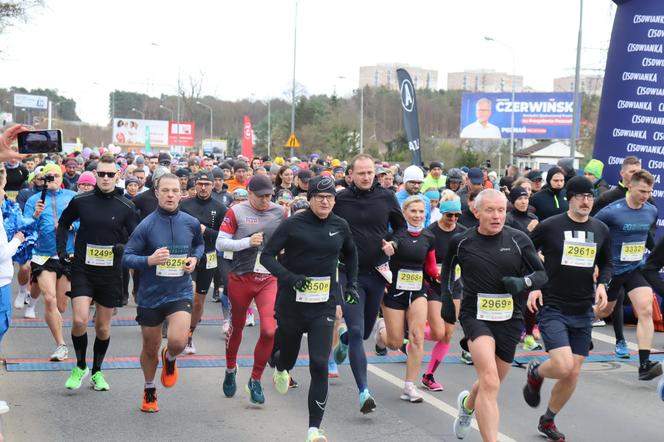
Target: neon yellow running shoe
{"points": [[76, 378], [316, 436], [281, 381], [99, 383]]}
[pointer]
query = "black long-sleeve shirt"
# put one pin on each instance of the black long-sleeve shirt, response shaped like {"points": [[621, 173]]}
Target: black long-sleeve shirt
{"points": [[146, 203], [485, 260], [370, 213], [208, 212], [107, 219], [520, 220], [571, 251], [312, 247]]}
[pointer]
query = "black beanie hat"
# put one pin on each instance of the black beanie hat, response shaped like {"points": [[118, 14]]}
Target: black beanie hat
{"points": [[578, 185], [321, 184], [551, 172], [517, 193]]}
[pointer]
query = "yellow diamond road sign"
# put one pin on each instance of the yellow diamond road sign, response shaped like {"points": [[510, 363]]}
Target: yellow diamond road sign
{"points": [[292, 141]]}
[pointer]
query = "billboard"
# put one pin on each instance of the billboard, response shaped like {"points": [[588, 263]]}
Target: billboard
{"points": [[543, 115], [631, 112], [31, 101], [181, 134], [132, 132]]}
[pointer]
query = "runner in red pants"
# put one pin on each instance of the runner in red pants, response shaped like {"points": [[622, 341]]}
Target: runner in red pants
{"points": [[245, 230]]}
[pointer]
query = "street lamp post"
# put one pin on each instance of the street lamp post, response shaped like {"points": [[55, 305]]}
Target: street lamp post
{"points": [[269, 126], [133, 109], [211, 114], [161, 106], [577, 79], [511, 49], [292, 124]]}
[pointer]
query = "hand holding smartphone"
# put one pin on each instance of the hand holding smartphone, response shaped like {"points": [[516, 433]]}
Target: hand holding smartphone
{"points": [[40, 141]]}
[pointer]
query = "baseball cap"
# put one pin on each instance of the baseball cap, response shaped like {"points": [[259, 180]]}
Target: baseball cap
{"points": [[261, 185], [475, 175], [204, 176], [182, 173], [305, 175], [534, 175], [413, 173], [164, 157]]}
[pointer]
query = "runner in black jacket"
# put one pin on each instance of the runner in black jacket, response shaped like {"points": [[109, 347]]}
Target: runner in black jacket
{"points": [[106, 220]]}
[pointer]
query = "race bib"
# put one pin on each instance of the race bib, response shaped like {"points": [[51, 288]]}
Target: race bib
{"points": [[228, 255], [100, 256], [40, 259], [578, 254], [258, 267], [632, 251], [457, 271], [409, 280], [494, 307], [211, 261], [318, 291], [173, 267]]}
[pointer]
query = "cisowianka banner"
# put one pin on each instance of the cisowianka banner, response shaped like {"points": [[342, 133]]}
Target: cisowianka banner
{"points": [[631, 113]]}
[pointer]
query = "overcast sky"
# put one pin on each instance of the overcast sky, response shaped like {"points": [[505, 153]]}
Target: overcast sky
{"points": [[86, 48]]}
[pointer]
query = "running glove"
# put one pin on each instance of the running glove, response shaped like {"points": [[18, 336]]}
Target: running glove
{"points": [[300, 282], [64, 258], [350, 294], [449, 311], [514, 285]]}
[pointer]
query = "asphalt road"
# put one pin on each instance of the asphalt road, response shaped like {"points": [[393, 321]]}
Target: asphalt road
{"points": [[610, 404]]}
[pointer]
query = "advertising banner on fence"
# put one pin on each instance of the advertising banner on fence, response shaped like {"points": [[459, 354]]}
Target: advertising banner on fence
{"points": [[181, 134], [543, 115], [129, 132], [631, 112]]}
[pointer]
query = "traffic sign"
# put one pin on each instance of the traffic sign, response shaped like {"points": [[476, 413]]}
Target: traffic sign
{"points": [[292, 142]]}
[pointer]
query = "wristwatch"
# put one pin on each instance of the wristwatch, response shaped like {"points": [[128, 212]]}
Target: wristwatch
{"points": [[528, 281]]}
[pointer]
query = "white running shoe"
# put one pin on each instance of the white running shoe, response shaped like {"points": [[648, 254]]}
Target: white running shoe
{"points": [[29, 312], [20, 301], [464, 419], [599, 323], [411, 394], [250, 322], [189, 349], [60, 354], [225, 327]]}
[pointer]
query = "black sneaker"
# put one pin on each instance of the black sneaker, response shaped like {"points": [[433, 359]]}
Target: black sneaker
{"points": [[404, 347], [216, 297], [547, 428], [380, 351], [531, 391], [293, 383], [650, 370]]}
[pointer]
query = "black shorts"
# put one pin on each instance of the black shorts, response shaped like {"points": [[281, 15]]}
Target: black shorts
{"points": [[630, 281], [505, 333], [401, 300], [563, 330], [52, 265], [434, 291], [152, 317], [203, 278], [105, 290]]}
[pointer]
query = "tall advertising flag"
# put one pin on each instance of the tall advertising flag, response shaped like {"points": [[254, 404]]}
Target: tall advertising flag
{"points": [[247, 138], [410, 121], [631, 113]]}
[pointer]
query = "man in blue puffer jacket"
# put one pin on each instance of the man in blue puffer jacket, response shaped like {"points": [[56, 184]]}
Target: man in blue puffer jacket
{"points": [[165, 247]]}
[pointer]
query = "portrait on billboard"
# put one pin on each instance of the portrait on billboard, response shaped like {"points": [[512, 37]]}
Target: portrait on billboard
{"points": [[481, 127]]}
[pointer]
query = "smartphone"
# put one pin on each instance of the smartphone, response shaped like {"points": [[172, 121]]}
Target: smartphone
{"points": [[40, 141]]}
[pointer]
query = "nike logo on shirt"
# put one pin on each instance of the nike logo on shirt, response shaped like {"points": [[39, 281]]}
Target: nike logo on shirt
{"points": [[332, 234]]}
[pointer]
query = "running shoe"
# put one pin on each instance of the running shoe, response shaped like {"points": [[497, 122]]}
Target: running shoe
{"points": [[215, 296], [229, 386], [599, 323], [341, 350], [225, 328], [31, 303], [332, 369], [621, 349], [99, 383], [293, 383], [20, 301], [367, 402], [411, 394], [531, 391], [649, 370], [60, 354], [430, 383], [255, 390], [190, 349], [169, 370], [76, 377], [281, 381], [404, 347], [381, 349], [149, 404], [464, 417], [530, 344], [316, 436], [466, 358], [250, 321], [547, 428]]}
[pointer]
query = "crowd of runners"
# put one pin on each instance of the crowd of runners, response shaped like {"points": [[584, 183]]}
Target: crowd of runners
{"points": [[340, 250]]}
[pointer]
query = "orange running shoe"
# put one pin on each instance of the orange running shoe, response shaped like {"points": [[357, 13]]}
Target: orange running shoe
{"points": [[149, 404], [169, 370]]}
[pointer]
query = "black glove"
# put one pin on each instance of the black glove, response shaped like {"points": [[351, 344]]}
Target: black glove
{"points": [[514, 285], [448, 311], [64, 258], [350, 294], [300, 282]]}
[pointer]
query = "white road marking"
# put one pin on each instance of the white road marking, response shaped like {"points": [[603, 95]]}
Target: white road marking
{"points": [[429, 399]]}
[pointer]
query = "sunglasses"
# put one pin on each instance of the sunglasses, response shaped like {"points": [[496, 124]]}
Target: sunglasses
{"points": [[452, 215], [106, 174]]}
